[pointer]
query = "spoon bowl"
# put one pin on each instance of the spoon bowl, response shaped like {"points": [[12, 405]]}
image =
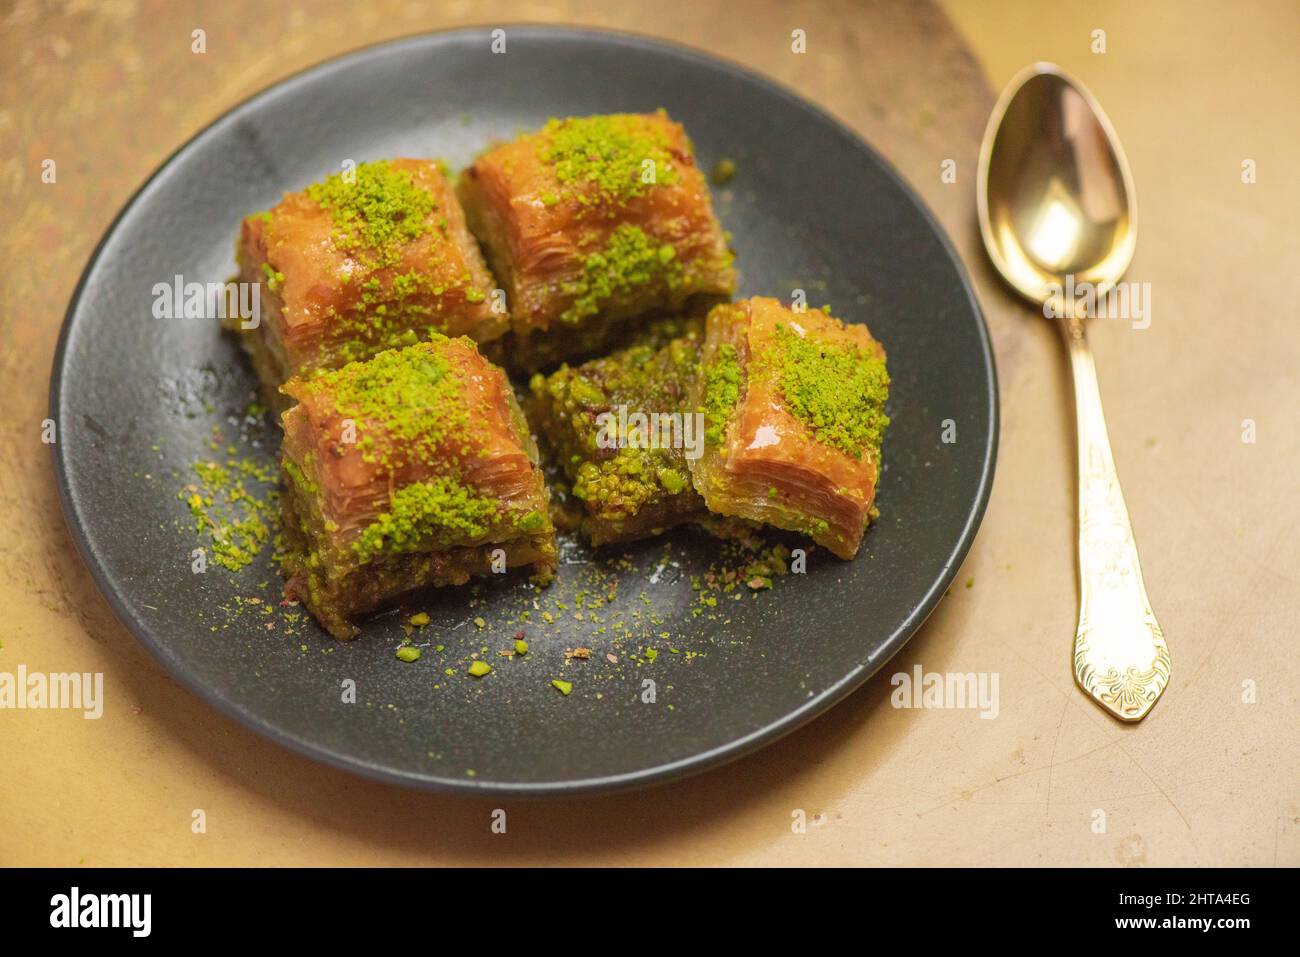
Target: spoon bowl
{"points": [[1056, 197]]}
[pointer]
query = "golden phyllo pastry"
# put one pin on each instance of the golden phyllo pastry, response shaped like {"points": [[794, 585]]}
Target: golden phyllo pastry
{"points": [[413, 468], [371, 259], [593, 220], [794, 405]]}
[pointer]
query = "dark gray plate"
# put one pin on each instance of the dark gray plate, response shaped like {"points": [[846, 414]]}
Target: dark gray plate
{"points": [[135, 399]]}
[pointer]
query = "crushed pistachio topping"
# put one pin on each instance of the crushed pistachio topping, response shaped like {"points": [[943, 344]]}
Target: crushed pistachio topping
{"points": [[479, 668], [672, 480], [408, 653], [409, 394], [531, 522], [563, 687], [440, 511], [274, 280], [375, 216], [614, 158], [616, 481], [233, 523], [837, 390], [629, 262], [722, 379]]}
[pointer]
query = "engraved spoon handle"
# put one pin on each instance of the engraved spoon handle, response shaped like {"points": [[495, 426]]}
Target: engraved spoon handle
{"points": [[1120, 655]]}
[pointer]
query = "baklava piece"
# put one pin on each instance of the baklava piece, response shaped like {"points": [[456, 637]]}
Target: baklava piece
{"points": [[591, 221], [413, 468], [620, 431], [369, 260], [794, 406]]}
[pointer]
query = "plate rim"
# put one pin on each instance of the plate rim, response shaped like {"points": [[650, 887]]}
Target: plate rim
{"points": [[624, 782]]}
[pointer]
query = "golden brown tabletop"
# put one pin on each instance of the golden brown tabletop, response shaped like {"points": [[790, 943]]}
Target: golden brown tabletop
{"points": [[1201, 406]]}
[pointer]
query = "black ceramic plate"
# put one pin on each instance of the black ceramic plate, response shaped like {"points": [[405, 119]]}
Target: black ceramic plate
{"points": [[136, 399]]}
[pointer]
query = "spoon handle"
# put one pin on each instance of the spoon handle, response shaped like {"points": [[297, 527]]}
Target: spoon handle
{"points": [[1120, 655]]}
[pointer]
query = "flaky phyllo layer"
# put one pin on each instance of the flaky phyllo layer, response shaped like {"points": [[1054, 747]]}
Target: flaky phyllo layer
{"points": [[413, 468], [369, 259], [592, 220], [794, 405]]}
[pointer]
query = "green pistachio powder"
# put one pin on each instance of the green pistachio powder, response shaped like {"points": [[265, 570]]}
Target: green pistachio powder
{"points": [[721, 391], [631, 260], [600, 163], [231, 520], [837, 390], [376, 214], [642, 376], [606, 155]]}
